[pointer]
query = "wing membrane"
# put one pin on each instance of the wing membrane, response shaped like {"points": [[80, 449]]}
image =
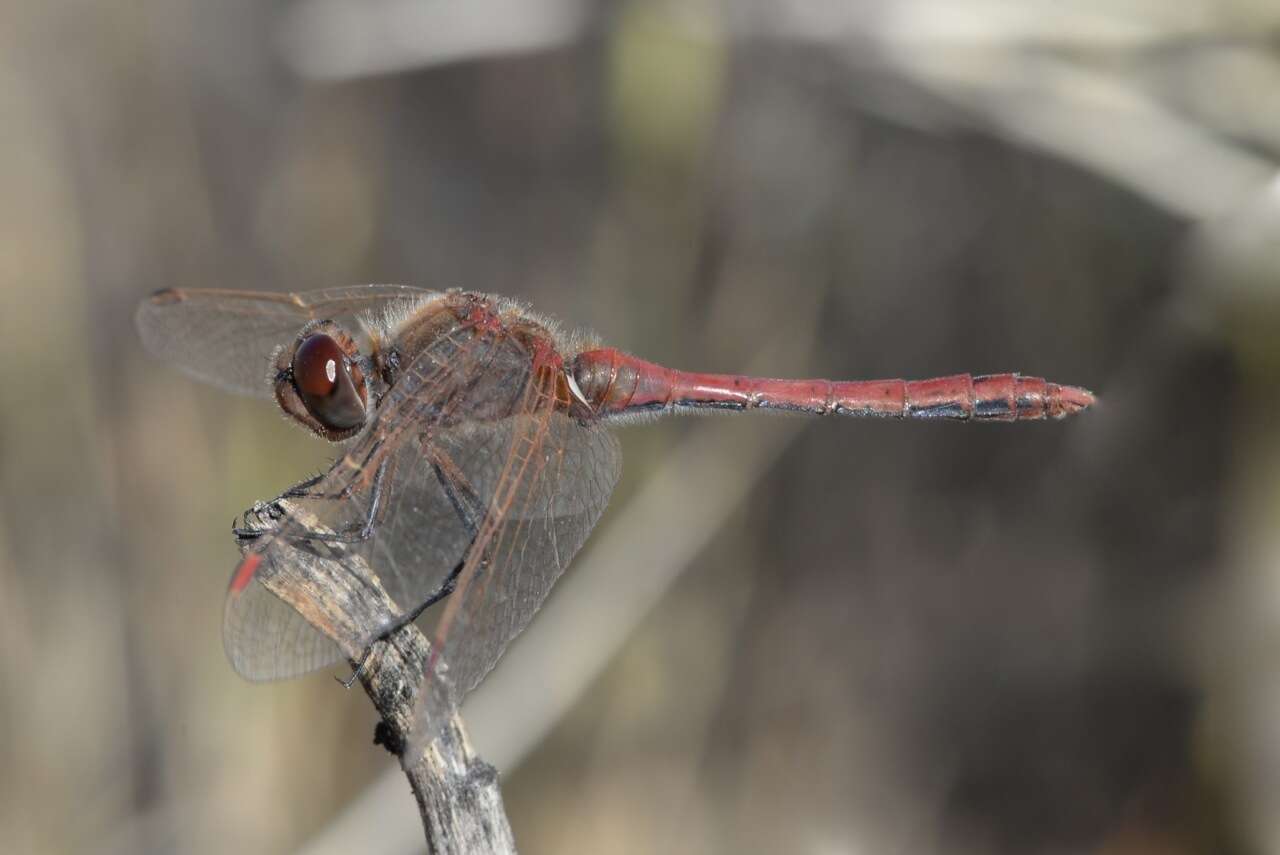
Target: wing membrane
{"points": [[555, 478], [410, 504], [267, 638], [227, 338]]}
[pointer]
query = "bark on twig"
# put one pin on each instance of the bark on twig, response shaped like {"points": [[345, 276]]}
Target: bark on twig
{"points": [[457, 792]]}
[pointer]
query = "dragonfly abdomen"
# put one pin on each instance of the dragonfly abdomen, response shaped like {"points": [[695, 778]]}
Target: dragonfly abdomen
{"points": [[615, 383]]}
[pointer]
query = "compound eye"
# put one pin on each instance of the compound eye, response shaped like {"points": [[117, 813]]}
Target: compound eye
{"points": [[324, 381]]}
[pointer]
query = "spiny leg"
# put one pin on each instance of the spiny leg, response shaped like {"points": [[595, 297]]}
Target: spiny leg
{"points": [[275, 509], [365, 530], [355, 534], [451, 484], [303, 489], [446, 588], [458, 492]]}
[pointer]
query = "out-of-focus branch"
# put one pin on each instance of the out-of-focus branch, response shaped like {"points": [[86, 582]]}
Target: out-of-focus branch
{"points": [[1043, 75], [340, 39]]}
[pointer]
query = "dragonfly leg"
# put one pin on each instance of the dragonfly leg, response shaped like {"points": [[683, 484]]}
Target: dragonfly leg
{"points": [[260, 519], [454, 488], [446, 588], [267, 515], [303, 490], [355, 675], [363, 531]]}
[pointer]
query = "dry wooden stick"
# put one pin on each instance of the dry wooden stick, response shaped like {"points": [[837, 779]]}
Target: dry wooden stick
{"points": [[457, 792]]}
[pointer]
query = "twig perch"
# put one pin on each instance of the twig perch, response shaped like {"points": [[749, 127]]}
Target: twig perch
{"points": [[457, 792]]}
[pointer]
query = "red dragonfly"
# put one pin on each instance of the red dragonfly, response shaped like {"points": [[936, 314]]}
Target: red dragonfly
{"points": [[476, 458]]}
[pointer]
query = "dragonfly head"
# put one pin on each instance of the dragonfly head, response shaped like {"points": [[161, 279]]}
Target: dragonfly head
{"points": [[319, 381]]}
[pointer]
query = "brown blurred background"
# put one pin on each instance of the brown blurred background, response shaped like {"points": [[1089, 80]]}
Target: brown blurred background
{"points": [[826, 637]]}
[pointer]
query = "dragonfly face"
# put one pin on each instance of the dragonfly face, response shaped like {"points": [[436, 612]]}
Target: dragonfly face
{"points": [[321, 383]]}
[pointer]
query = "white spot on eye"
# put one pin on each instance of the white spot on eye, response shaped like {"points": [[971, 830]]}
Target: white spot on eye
{"points": [[331, 370]]}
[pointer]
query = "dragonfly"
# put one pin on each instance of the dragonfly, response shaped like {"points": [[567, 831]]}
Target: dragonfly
{"points": [[476, 455]]}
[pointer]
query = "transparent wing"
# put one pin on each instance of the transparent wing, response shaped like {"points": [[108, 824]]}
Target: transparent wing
{"points": [[403, 511], [552, 477], [378, 526], [265, 637], [227, 338]]}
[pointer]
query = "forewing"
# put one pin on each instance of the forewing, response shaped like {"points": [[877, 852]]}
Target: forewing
{"points": [[227, 337], [553, 477]]}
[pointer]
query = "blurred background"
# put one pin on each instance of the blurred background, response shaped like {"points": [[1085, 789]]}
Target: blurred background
{"points": [[833, 636]]}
